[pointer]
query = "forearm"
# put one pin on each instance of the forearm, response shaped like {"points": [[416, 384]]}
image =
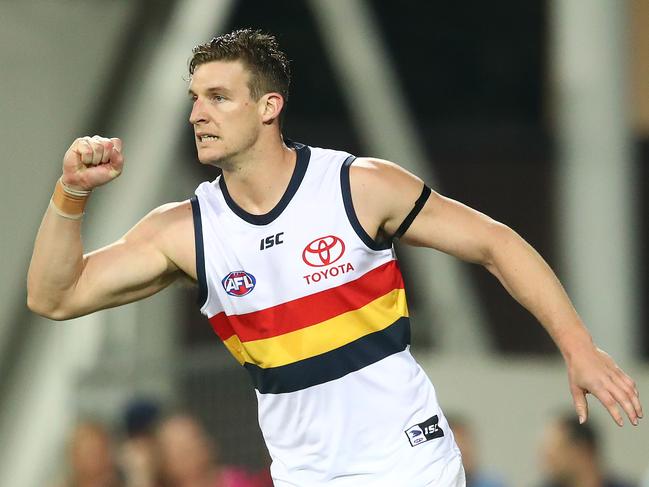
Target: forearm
{"points": [[62, 281], [56, 264], [453, 228], [529, 279]]}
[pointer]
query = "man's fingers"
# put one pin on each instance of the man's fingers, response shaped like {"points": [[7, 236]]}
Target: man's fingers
{"points": [[84, 149], [106, 148], [623, 398], [638, 405], [90, 152], [581, 405], [103, 148], [599, 375], [610, 403], [117, 143], [629, 381], [629, 387], [116, 163], [92, 161], [97, 150]]}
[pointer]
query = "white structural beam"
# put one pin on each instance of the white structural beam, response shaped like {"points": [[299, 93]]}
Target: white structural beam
{"points": [[368, 80], [596, 194], [41, 402], [151, 122]]}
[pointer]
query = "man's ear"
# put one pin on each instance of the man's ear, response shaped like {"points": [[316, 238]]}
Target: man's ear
{"points": [[271, 105]]}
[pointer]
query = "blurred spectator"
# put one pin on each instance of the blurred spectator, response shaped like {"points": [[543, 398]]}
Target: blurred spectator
{"points": [[138, 453], [570, 455], [475, 476], [90, 456], [189, 458]]}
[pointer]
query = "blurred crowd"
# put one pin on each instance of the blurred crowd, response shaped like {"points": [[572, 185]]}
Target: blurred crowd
{"points": [[171, 451], [177, 451], [570, 455]]}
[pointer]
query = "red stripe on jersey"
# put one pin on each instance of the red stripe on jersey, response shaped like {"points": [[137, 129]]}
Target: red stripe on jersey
{"points": [[311, 309]]}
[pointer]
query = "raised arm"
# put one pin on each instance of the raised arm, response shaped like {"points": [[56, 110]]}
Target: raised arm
{"points": [[64, 283], [384, 194]]}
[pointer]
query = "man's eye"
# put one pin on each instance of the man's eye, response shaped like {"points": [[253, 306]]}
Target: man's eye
{"points": [[218, 98]]}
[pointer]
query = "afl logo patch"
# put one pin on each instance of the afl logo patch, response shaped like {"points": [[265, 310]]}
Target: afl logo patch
{"points": [[239, 283], [323, 251]]}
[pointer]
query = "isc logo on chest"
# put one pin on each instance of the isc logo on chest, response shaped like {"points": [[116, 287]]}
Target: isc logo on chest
{"points": [[239, 283]]}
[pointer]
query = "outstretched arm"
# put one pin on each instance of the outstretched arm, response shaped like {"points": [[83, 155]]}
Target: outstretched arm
{"points": [[64, 283], [383, 195]]}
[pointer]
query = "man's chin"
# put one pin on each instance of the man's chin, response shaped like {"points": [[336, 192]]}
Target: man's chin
{"points": [[209, 158]]}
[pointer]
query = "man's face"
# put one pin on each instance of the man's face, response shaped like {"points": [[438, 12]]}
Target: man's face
{"points": [[557, 453], [91, 452], [185, 451], [226, 119]]}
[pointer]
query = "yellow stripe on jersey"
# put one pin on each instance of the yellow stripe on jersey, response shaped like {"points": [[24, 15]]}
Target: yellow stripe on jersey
{"points": [[234, 345], [321, 337]]}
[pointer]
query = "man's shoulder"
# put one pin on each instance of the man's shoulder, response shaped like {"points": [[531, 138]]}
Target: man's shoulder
{"points": [[174, 212], [325, 153], [381, 174], [172, 226], [170, 221]]}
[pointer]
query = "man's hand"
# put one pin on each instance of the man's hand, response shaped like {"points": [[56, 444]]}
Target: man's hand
{"points": [[91, 162], [594, 371]]}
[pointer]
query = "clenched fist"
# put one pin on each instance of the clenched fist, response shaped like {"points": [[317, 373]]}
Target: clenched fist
{"points": [[91, 162]]}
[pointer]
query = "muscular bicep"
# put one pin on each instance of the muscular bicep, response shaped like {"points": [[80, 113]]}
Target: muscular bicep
{"points": [[147, 259], [121, 273], [385, 196]]}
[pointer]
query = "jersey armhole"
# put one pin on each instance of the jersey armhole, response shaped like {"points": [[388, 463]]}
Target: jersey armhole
{"points": [[351, 213], [200, 252], [419, 204]]}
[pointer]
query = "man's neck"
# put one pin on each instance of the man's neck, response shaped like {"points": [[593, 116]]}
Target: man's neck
{"points": [[589, 475], [259, 181]]}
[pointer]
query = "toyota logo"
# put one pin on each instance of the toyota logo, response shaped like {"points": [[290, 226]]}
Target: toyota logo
{"points": [[323, 251]]}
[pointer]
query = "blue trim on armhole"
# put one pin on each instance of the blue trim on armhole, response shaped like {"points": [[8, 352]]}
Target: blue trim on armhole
{"points": [[200, 251], [351, 214]]}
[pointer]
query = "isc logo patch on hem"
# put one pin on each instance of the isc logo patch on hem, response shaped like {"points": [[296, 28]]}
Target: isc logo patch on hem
{"points": [[422, 432]]}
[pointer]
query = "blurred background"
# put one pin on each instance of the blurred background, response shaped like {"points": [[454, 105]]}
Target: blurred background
{"points": [[534, 112]]}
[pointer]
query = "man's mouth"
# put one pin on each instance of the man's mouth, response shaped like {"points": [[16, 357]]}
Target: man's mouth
{"points": [[206, 137]]}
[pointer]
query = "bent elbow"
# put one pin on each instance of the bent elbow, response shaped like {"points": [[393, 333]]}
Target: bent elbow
{"points": [[46, 310]]}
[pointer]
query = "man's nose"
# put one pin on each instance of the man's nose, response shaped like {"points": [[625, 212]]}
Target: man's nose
{"points": [[198, 113]]}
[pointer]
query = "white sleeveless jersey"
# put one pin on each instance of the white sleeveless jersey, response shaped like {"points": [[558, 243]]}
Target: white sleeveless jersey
{"points": [[316, 311]]}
